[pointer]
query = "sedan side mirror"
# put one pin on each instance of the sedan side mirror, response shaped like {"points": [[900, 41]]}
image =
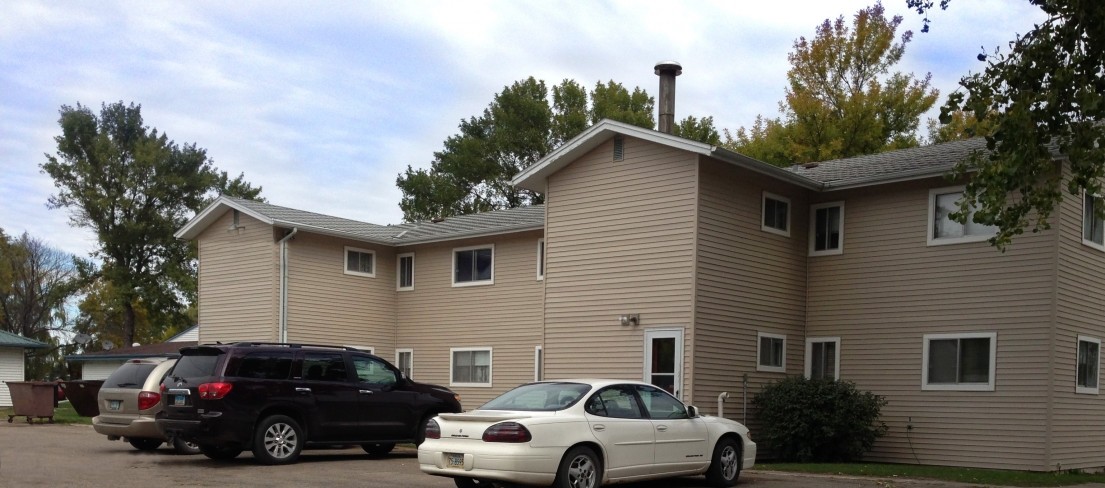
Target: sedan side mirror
{"points": [[692, 411]]}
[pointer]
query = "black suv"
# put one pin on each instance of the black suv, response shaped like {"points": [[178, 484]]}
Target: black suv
{"points": [[276, 398]]}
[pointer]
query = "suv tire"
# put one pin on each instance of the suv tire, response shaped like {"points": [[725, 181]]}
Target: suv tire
{"points": [[277, 440], [220, 453], [184, 447], [145, 444], [378, 449]]}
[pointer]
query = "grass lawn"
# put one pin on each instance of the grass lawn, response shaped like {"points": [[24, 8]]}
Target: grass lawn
{"points": [[963, 475], [63, 414]]}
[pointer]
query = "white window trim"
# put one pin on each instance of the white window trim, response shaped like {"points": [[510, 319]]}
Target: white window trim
{"points": [[345, 261], [538, 362], [1083, 389], [540, 258], [813, 233], [399, 271], [490, 366], [763, 211], [783, 359], [809, 354], [993, 336], [453, 268], [402, 350], [931, 216], [368, 349], [1087, 242]]}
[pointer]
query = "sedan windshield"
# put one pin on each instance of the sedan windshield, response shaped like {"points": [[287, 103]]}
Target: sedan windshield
{"points": [[539, 397]]}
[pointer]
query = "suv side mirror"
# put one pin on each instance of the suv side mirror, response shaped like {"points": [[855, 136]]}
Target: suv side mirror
{"points": [[692, 411]]}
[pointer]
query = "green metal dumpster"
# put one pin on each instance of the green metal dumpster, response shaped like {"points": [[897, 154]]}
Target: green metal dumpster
{"points": [[82, 396], [32, 399]]}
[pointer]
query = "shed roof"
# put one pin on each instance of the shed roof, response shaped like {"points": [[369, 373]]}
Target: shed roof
{"points": [[162, 350], [7, 339]]}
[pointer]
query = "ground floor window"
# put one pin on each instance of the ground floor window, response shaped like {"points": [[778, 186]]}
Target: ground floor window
{"points": [[470, 367], [959, 361], [404, 360], [1089, 359], [822, 358]]}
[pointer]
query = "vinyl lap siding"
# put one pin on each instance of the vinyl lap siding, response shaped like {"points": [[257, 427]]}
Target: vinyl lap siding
{"points": [[505, 316], [99, 370], [238, 281], [1078, 420], [327, 306], [747, 281], [620, 239], [889, 288]]}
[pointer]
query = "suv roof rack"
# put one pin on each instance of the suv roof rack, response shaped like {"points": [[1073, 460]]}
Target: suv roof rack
{"points": [[292, 345]]}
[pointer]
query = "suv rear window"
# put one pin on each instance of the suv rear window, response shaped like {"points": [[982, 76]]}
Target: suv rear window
{"points": [[196, 365], [129, 375]]}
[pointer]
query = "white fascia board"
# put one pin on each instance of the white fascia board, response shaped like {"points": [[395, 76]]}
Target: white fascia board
{"points": [[208, 215]]}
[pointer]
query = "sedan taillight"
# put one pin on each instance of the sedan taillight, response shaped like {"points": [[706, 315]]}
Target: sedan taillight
{"points": [[433, 431], [507, 432], [147, 399], [214, 391]]}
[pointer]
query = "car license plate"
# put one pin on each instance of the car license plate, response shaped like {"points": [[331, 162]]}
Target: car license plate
{"points": [[114, 404], [180, 400], [454, 460]]}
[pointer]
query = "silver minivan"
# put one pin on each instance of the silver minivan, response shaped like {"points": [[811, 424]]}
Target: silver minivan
{"points": [[129, 401]]}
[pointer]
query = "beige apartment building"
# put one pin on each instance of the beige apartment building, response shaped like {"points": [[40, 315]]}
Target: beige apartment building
{"points": [[704, 271]]}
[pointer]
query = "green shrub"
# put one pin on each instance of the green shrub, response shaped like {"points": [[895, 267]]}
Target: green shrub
{"points": [[818, 420]]}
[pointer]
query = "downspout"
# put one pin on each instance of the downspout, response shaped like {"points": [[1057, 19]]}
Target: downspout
{"points": [[283, 332]]}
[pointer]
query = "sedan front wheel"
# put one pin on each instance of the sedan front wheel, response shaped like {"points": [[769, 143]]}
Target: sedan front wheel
{"points": [[580, 468], [725, 466]]}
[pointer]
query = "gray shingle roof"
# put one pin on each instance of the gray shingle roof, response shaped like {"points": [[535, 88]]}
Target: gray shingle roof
{"points": [[486, 223], [889, 166], [7, 339]]}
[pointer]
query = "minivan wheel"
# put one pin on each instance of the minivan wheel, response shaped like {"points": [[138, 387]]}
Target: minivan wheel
{"points": [[220, 453], [145, 444], [378, 449], [184, 447], [277, 440]]}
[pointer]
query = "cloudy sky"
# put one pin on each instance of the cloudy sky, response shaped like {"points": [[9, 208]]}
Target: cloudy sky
{"points": [[324, 103]]}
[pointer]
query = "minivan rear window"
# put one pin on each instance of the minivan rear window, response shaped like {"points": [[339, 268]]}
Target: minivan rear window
{"points": [[195, 365], [129, 375]]}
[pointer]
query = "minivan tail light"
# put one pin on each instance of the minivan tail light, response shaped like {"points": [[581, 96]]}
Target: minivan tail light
{"points": [[507, 432], [433, 431], [147, 399], [214, 391]]}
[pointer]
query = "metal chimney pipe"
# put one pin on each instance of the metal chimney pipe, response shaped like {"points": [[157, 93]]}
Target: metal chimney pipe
{"points": [[667, 71]]}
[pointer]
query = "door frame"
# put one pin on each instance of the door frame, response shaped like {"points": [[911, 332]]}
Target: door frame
{"points": [[665, 333]]}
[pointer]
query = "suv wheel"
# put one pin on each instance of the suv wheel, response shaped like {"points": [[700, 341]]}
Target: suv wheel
{"points": [[145, 444], [277, 440], [220, 453], [184, 447], [378, 449]]}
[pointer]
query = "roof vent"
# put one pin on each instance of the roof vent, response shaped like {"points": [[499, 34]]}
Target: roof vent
{"points": [[667, 71], [810, 165], [619, 148], [437, 220]]}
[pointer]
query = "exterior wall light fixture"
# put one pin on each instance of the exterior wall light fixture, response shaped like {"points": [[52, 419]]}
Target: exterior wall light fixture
{"points": [[629, 319]]}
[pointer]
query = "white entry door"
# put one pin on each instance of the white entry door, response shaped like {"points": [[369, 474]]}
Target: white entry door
{"points": [[664, 359]]}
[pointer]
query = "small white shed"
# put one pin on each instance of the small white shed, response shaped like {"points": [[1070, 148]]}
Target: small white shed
{"points": [[12, 361], [100, 364]]}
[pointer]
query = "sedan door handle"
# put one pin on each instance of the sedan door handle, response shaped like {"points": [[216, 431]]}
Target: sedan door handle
{"points": [[302, 390], [366, 392], [662, 428], [599, 427]]}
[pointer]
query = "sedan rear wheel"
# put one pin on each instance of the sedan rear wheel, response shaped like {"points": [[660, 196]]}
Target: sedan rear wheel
{"points": [[378, 449], [725, 467], [580, 468], [278, 440]]}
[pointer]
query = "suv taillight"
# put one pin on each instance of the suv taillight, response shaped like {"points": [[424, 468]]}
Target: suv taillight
{"points": [[214, 391], [147, 399], [507, 432], [433, 431]]}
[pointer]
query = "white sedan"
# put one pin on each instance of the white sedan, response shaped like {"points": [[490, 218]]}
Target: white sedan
{"points": [[583, 434]]}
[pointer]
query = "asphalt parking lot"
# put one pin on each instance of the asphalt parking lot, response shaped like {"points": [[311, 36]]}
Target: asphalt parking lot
{"points": [[76, 456]]}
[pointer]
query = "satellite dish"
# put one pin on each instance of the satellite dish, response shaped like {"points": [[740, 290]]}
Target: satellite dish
{"points": [[108, 345], [82, 338]]}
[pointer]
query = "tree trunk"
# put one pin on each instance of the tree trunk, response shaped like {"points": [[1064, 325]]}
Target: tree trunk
{"points": [[128, 323]]}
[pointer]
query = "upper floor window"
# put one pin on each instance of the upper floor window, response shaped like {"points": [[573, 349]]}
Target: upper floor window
{"points": [[404, 272], [1089, 359], [474, 265], [959, 361], [541, 259], [827, 228], [776, 214], [943, 230], [771, 353], [360, 262], [1093, 226]]}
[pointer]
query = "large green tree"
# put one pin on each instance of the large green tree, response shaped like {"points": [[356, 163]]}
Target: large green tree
{"points": [[472, 172], [134, 187], [842, 99], [1045, 94]]}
